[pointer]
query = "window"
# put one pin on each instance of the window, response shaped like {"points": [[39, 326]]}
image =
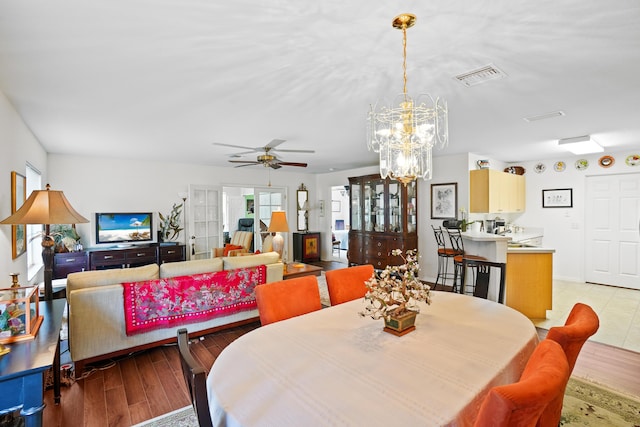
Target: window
{"points": [[34, 231]]}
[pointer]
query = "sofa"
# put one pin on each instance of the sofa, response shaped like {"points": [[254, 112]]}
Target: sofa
{"points": [[96, 306], [240, 244]]}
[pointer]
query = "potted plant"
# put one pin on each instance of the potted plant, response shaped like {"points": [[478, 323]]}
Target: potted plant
{"points": [[393, 294], [170, 225]]}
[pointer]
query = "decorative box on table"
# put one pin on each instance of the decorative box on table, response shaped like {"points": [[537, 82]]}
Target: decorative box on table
{"points": [[19, 314]]}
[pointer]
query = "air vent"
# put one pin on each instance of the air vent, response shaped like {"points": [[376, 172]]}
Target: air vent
{"points": [[481, 75], [544, 116]]}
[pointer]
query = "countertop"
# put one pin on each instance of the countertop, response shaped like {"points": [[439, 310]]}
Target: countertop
{"points": [[530, 250], [478, 236]]}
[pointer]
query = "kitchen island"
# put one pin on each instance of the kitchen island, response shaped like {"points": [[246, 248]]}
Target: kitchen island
{"points": [[529, 275]]}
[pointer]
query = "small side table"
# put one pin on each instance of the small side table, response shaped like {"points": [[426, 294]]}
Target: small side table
{"points": [[298, 270], [21, 370]]}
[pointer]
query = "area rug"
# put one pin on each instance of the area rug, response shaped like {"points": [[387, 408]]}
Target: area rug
{"points": [[184, 417], [585, 404]]}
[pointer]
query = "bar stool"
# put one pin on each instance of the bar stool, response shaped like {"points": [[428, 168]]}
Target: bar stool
{"points": [[458, 266], [444, 256]]}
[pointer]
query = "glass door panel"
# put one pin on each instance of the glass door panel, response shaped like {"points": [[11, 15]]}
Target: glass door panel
{"points": [[395, 207], [356, 203], [204, 220]]}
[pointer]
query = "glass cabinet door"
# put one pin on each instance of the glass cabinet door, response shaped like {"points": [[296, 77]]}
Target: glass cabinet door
{"points": [[374, 205], [395, 207], [412, 203], [356, 203]]}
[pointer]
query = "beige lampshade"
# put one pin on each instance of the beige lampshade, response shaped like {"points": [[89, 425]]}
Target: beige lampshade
{"points": [[278, 222], [45, 207]]}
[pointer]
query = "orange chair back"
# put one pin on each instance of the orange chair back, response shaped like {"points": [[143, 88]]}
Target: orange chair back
{"points": [[580, 325], [347, 284], [287, 298], [521, 404]]}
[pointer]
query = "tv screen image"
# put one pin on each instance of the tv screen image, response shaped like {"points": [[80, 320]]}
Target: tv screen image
{"points": [[124, 227]]}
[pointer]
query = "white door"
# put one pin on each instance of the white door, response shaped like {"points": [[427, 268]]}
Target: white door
{"points": [[205, 220], [267, 200], [613, 230]]}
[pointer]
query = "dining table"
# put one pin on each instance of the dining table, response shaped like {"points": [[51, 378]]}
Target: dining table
{"points": [[334, 367]]}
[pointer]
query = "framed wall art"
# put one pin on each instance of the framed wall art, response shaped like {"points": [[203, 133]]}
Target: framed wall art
{"points": [[557, 198], [444, 200], [18, 232]]}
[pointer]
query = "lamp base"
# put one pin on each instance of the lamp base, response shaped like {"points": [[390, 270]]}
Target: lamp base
{"points": [[278, 245]]}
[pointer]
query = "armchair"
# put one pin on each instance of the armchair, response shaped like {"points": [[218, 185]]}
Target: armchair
{"points": [[240, 243]]}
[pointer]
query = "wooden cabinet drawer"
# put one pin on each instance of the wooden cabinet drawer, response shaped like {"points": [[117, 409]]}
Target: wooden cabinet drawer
{"points": [[68, 262], [172, 253], [107, 258], [141, 256]]}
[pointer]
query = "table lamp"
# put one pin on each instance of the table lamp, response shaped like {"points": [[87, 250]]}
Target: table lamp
{"points": [[46, 207], [277, 225]]}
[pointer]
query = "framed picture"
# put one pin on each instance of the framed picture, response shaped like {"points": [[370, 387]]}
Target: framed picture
{"points": [[444, 200], [335, 206], [558, 198], [18, 232]]}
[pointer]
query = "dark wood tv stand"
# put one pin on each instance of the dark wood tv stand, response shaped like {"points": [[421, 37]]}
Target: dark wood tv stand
{"points": [[135, 256], [100, 259]]}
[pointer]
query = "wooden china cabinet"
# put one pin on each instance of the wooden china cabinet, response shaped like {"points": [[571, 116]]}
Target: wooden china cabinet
{"points": [[383, 217]]}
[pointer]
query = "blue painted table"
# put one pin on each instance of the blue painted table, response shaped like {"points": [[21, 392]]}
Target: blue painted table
{"points": [[22, 370]]}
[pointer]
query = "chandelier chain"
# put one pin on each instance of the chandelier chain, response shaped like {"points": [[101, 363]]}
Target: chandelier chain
{"points": [[404, 59]]}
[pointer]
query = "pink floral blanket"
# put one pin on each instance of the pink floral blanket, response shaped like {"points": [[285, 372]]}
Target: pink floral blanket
{"points": [[160, 303]]}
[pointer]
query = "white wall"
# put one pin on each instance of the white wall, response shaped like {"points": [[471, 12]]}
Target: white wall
{"points": [[18, 146], [118, 184]]}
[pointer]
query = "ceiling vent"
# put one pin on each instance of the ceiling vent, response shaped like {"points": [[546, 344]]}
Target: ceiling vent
{"points": [[481, 75], [544, 116]]}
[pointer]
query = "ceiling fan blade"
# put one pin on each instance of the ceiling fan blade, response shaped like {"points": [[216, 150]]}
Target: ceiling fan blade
{"points": [[253, 150], [301, 165], [274, 143], [294, 151], [275, 165], [250, 162]]}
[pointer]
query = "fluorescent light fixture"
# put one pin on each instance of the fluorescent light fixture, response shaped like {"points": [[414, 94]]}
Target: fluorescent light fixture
{"points": [[580, 145]]}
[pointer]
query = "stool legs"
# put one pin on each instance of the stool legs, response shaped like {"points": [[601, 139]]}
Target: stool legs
{"points": [[443, 270]]}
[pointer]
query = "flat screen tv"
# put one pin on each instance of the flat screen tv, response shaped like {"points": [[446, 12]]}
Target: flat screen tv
{"points": [[118, 227]]}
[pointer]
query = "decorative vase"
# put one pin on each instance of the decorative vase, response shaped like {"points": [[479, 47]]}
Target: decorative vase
{"points": [[402, 324]]}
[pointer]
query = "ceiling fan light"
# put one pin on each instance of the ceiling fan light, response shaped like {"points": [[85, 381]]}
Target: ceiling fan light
{"points": [[580, 145]]}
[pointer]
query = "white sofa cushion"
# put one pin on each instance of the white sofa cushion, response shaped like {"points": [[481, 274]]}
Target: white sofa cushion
{"points": [[93, 278], [196, 266], [232, 262]]}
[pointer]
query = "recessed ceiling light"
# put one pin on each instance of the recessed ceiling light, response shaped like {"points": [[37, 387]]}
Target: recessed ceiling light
{"points": [[544, 116], [580, 145]]}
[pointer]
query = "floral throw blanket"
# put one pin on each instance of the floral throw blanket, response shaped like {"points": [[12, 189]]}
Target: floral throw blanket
{"points": [[159, 303]]}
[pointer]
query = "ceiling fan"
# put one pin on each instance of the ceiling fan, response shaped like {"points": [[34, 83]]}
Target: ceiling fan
{"points": [[268, 158]]}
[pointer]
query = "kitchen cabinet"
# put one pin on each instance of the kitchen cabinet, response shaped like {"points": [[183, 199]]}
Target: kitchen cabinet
{"points": [[493, 191], [383, 217], [529, 281]]}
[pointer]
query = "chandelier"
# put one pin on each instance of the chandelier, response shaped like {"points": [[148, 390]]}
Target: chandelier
{"points": [[405, 131]]}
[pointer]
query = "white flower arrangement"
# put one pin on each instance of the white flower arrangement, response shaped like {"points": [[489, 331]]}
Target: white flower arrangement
{"points": [[396, 289]]}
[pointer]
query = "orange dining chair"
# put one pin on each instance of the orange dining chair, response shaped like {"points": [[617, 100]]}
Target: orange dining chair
{"points": [[287, 298], [582, 323], [521, 404], [195, 376], [347, 284]]}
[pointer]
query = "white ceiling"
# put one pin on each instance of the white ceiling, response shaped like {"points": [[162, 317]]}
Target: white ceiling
{"points": [[166, 79]]}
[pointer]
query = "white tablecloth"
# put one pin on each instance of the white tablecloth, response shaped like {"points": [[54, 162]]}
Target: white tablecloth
{"points": [[332, 367]]}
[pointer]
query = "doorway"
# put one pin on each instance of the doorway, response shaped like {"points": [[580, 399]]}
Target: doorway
{"points": [[613, 230], [249, 208], [339, 222]]}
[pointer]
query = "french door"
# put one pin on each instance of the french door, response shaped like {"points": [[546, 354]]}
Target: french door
{"points": [[613, 230], [266, 201], [205, 225]]}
